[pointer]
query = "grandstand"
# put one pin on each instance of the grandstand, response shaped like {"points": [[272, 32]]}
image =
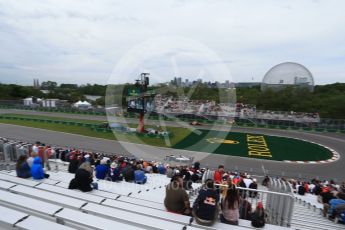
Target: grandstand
{"points": [[48, 203]]}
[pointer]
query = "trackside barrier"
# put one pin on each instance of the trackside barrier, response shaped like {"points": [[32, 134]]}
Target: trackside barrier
{"points": [[319, 125], [278, 206]]}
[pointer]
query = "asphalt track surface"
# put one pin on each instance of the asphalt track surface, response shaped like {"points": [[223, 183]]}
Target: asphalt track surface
{"points": [[254, 166]]}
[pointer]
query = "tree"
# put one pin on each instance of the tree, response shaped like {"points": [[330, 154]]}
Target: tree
{"points": [[48, 85]]}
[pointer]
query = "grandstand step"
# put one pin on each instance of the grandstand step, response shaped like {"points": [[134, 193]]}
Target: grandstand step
{"points": [[10, 217], [34, 223], [321, 222], [14, 218], [71, 193], [307, 212], [48, 196], [6, 185], [308, 198], [140, 202], [164, 215], [18, 180], [132, 218], [29, 203], [46, 181], [310, 211], [91, 221], [315, 226]]}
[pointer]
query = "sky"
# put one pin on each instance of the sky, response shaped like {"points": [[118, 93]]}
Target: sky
{"points": [[90, 41]]}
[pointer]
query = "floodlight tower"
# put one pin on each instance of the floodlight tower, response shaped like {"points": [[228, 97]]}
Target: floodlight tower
{"points": [[142, 83]]}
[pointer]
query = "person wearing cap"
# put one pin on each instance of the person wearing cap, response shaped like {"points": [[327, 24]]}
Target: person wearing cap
{"points": [[176, 198], [115, 172], [102, 169]]}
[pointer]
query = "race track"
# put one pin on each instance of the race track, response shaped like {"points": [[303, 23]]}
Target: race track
{"points": [[253, 166]]}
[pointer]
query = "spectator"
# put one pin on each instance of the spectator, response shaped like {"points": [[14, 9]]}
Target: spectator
{"points": [[311, 187], [30, 160], [128, 173], [37, 172], [161, 169], [22, 167], [241, 184], [187, 183], [265, 181], [196, 176], [205, 208], [149, 168], [247, 181], [326, 196], [333, 204], [154, 168], [318, 188], [139, 175], [196, 166], [74, 163], [169, 172], [115, 172], [35, 147], [83, 179], [338, 210], [218, 174], [258, 218], [230, 206], [102, 170], [176, 198], [253, 185], [301, 189], [245, 208]]}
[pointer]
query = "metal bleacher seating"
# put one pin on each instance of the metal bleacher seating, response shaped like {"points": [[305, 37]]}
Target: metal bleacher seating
{"points": [[48, 203], [307, 212], [12, 218], [52, 202]]}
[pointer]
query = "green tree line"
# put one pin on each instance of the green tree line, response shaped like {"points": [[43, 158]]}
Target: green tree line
{"points": [[327, 100]]}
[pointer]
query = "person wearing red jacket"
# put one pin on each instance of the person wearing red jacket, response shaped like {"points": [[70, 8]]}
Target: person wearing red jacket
{"points": [[218, 174]]}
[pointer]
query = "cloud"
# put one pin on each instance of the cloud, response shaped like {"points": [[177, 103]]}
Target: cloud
{"points": [[81, 41]]}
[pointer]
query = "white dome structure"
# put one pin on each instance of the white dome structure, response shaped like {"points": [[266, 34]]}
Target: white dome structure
{"points": [[288, 74]]}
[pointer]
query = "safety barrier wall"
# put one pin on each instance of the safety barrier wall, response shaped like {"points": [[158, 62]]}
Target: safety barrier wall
{"points": [[323, 124]]}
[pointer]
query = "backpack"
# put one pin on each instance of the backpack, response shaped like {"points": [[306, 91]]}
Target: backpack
{"points": [[258, 219]]}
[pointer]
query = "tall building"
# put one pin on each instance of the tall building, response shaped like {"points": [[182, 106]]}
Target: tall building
{"points": [[179, 82], [36, 83]]}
